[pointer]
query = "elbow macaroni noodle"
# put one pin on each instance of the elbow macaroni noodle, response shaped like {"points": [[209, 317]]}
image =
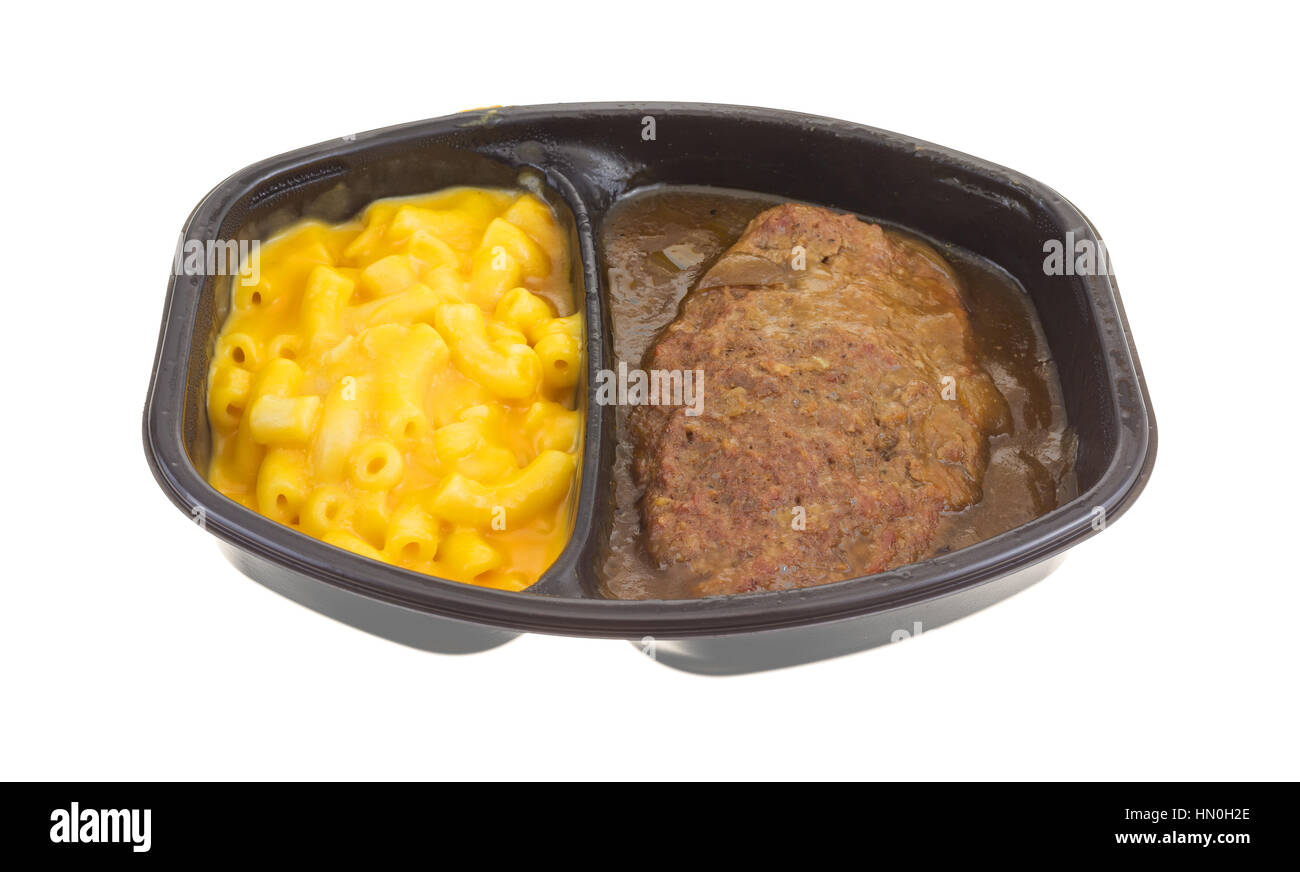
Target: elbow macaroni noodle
{"points": [[404, 385]]}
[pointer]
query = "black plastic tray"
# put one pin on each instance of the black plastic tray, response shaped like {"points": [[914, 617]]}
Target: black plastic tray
{"points": [[589, 155]]}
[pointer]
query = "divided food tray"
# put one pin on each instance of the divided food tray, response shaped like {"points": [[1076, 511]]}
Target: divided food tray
{"points": [[584, 157]]}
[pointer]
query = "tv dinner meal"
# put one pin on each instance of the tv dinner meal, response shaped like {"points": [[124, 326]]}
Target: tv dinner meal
{"points": [[747, 387]]}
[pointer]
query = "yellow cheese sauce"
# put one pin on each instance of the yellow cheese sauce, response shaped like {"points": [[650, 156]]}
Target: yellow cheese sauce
{"points": [[404, 385]]}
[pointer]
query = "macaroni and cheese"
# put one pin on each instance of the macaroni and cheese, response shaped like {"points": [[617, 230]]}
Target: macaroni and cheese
{"points": [[404, 385]]}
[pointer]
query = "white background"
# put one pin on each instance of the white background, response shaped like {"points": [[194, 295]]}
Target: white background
{"points": [[1164, 648]]}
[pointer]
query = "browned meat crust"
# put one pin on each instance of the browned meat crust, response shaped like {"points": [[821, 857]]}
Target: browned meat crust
{"points": [[824, 395]]}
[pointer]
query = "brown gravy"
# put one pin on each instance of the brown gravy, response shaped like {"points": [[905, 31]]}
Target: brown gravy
{"points": [[658, 241]]}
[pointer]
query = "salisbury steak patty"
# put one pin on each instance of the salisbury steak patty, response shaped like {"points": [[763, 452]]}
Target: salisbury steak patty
{"points": [[843, 409]]}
